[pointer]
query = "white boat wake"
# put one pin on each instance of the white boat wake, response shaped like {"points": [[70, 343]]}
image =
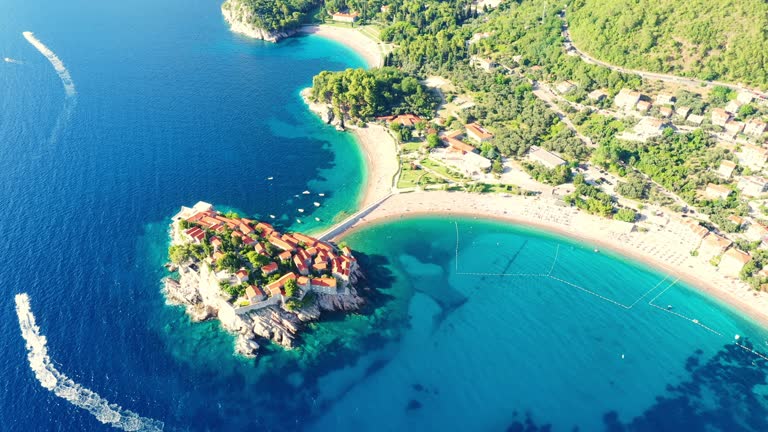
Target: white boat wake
{"points": [[58, 65], [66, 79], [10, 60], [63, 387]]}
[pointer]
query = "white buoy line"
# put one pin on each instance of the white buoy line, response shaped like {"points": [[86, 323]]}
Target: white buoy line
{"points": [[651, 303]]}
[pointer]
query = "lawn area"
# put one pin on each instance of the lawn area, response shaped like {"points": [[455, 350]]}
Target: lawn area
{"points": [[411, 178], [408, 177], [411, 146], [442, 169]]}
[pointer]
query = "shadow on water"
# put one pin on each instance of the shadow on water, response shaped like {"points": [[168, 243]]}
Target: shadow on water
{"points": [[721, 394], [725, 393]]}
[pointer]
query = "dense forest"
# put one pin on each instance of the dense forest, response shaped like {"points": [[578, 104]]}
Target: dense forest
{"points": [[273, 15], [708, 39], [362, 94]]}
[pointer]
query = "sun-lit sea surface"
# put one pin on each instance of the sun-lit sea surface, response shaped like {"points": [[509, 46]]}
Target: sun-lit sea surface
{"points": [[470, 325]]}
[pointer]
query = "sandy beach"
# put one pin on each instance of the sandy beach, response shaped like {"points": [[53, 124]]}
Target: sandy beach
{"points": [[380, 152], [666, 248], [353, 38], [379, 149]]}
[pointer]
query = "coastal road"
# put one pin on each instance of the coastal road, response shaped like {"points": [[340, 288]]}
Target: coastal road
{"points": [[694, 82]]}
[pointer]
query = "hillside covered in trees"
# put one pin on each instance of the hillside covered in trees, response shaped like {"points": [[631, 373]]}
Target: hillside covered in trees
{"points": [[708, 39], [272, 15]]}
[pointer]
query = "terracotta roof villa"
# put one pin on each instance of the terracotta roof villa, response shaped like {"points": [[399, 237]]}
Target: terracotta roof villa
{"points": [[478, 133], [451, 138], [409, 120]]}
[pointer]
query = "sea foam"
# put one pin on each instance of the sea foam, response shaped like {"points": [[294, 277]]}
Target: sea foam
{"points": [[58, 65], [63, 387]]}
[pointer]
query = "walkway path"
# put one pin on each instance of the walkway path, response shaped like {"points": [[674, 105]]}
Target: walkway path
{"points": [[347, 223]]}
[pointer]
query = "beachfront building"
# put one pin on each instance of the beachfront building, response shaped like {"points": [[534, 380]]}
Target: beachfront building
{"points": [[697, 230], [720, 117], [726, 168], [753, 156], [733, 261], [408, 120], [713, 245], [627, 99], [752, 186], [478, 133], [345, 17], [716, 191], [544, 157]]}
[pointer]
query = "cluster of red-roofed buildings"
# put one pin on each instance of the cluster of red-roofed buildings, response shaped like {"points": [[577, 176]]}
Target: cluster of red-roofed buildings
{"points": [[313, 264]]}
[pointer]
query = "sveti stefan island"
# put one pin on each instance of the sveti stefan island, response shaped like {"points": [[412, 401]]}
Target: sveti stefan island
{"points": [[384, 215]]}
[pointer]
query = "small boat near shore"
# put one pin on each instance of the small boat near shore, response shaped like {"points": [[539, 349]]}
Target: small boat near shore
{"points": [[317, 204]]}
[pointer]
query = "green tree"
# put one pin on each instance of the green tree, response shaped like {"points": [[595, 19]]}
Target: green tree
{"points": [[291, 289]]}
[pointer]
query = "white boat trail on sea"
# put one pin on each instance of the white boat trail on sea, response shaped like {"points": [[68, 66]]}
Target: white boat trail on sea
{"points": [[63, 387], [66, 80]]}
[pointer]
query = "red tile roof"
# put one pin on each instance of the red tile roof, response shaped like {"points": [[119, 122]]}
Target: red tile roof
{"points": [[282, 244], [284, 256], [479, 131], [307, 240], [280, 282], [323, 282], [253, 291], [269, 268]]}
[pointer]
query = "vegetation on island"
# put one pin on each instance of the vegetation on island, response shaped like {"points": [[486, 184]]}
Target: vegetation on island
{"points": [[707, 39], [363, 94], [273, 15]]}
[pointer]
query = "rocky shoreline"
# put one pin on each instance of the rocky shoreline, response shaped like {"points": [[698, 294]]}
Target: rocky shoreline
{"points": [[274, 323], [238, 16], [324, 110]]}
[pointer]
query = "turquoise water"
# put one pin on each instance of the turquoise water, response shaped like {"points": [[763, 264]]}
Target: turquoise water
{"points": [[171, 108]]}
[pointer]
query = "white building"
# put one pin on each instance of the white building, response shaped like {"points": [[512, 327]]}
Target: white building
{"points": [[726, 168], [627, 99], [755, 127], [548, 159], [752, 186]]}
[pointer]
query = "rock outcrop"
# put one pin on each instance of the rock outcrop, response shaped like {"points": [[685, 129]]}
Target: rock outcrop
{"points": [[282, 326], [325, 111], [240, 18]]}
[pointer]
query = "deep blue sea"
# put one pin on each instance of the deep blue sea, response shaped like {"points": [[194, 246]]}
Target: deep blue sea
{"points": [[471, 325]]}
